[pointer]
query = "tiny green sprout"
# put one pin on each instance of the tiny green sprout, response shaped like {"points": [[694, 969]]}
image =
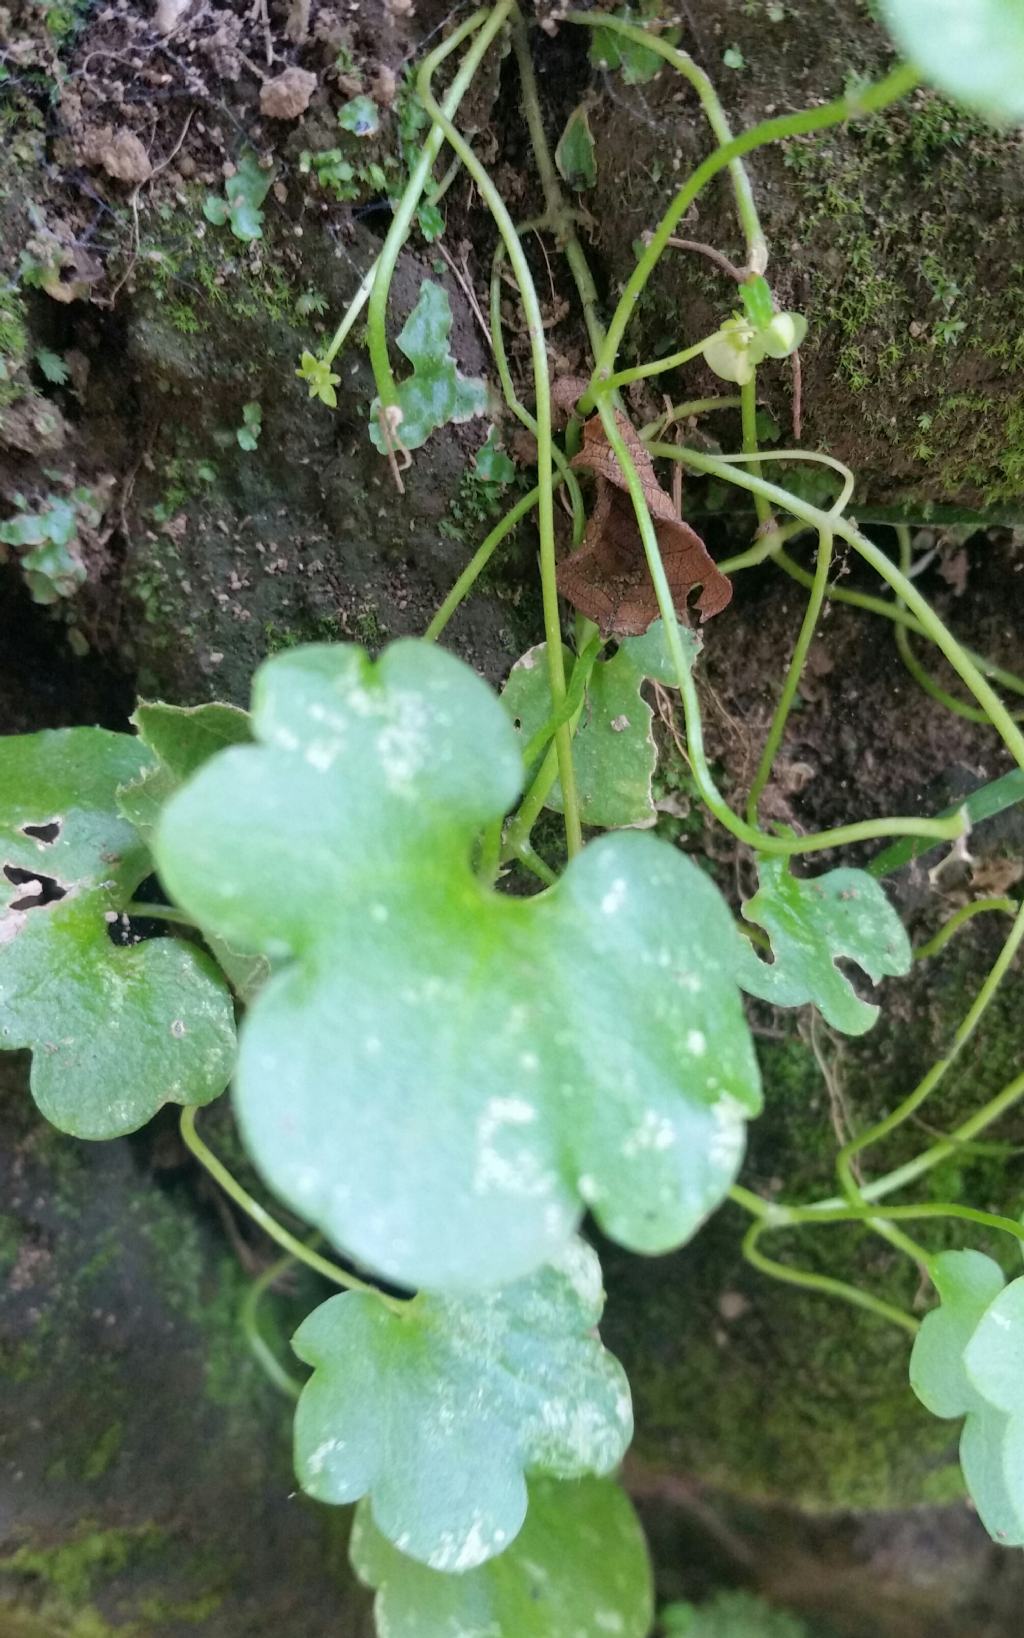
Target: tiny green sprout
{"points": [[311, 304], [492, 465], [430, 220], [248, 434], [320, 378], [574, 155], [52, 366], [360, 116], [734, 58], [245, 192]]}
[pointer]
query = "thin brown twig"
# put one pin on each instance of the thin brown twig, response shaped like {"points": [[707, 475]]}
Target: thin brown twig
{"points": [[133, 201], [461, 277], [713, 255]]}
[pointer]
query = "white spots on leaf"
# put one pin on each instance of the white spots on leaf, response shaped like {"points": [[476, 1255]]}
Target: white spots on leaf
{"points": [[615, 897], [529, 1061], [589, 1189], [456, 1554], [321, 753], [371, 1045], [696, 1042], [655, 1132], [285, 740], [316, 1461], [609, 1621], [379, 913], [725, 1149], [578, 1263]]}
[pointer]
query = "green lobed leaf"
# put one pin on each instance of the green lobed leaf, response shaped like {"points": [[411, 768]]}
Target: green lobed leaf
{"points": [[967, 1282], [613, 748], [245, 192], [994, 1355], [638, 63], [439, 1412], [577, 1569], [971, 49], [492, 465], [435, 394], [575, 158], [182, 738], [812, 922], [441, 1076], [115, 1032]]}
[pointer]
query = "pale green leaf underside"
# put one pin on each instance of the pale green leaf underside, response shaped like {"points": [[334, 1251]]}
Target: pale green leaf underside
{"points": [[440, 1412], [443, 1076], [967, 1282], [613, 748], [994, 1355], [972, 49], [115, 1032], [992, 1458], [435, 393], [578, 1569], [812, 922]]}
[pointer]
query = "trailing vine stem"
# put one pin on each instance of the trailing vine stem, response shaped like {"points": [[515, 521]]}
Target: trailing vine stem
{"points": [[866, 99], [542, 390], [746, 207], [966, 913], [248, 1314], [290, 1242], [762, 841], [909, 1106], [923, 678], [894, 611], [489, 22], [930, 622], [805, 1278], [801, 649]]}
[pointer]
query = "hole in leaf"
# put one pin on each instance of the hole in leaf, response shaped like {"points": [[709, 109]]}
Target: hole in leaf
{"points": [[43, 833], [40, 889]]}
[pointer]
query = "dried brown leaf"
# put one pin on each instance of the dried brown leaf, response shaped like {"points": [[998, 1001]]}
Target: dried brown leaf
{"points": [[607, 579]]}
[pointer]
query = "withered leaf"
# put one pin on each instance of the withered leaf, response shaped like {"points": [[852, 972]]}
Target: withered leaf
{"points": [[607, 579]]}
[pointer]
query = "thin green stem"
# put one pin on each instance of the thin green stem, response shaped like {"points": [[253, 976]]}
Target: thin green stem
{"points": [[929, 621], [538, 349], [489, 22], [900, 616], [352, 312], [757, 249], [270, 1226], [570, 706], [941, 829], [515, 404], [768, 545], [801, 649], [924, 1088], [249, 1320], [748, 413], [823, 1283], [478, 563], [679, 412], [657, 366], [920, 674], [559, 214], [966, 913], [864, 100]]}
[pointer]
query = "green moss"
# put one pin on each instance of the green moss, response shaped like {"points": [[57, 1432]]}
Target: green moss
{"points": [[73, 1570]]}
